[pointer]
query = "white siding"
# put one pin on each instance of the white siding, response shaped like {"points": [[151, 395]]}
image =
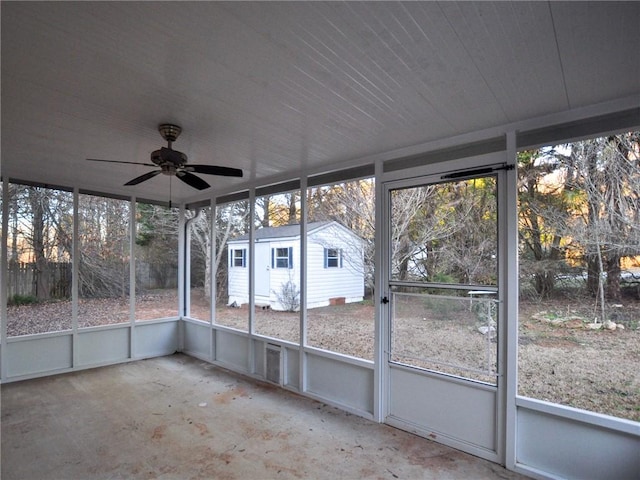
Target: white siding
{"points": [[238, 278], [280, 276], [323, 284], [346, 280]]}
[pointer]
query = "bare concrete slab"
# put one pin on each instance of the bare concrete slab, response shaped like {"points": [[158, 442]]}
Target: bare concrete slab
{"points": [[179, 418]]}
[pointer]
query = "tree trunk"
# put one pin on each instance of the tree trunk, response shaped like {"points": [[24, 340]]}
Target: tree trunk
{"points": [[613, 278], [615, 189], [544, 283], [265, 214], [41, 274], [292, 210], [13, 205], [593, 274]]}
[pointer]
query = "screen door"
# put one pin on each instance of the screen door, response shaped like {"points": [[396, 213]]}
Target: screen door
{"points": [[443, 309]]}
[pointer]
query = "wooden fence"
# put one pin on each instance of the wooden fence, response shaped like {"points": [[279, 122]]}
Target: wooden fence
{"points": [[152, 276], [22, 278]]}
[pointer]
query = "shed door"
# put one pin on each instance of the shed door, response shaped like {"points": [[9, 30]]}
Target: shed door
{"points": [[442, 310], [263, 270]]}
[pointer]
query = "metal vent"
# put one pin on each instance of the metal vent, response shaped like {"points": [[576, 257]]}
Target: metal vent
{"points": [[273, 364]]}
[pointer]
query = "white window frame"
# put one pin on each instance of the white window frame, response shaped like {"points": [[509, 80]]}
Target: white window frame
{"points": [[242, 258], [333, 261]]}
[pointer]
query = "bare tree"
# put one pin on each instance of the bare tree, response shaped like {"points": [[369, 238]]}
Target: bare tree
{"points": [[544, 200], [232, 220], [607, 170], [40, 221], [104, 247], [579, 205], [277, 210], [470, 248]]}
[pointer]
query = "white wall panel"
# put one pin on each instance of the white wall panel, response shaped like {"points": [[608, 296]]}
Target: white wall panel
{"points": [[156, 339], [196, 339], [232, 350], [103, 346], [292, 368], [259, 352], [572, 449], [39, 354], [344, 383]]}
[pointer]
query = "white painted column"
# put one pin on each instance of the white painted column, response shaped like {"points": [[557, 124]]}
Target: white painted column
{"points": [[379, 355], [132, 277], [302, 356], [184, 273], [213, 273], [510, 294], [252, 280], [183, 264], [3, 280], [75, 268]]}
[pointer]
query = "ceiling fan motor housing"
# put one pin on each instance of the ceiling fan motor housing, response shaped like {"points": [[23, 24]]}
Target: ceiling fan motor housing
{"points": [[168, 156]]}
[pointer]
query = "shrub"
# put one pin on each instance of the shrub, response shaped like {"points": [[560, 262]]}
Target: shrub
{"points": [[18, 299], [288, 296]]}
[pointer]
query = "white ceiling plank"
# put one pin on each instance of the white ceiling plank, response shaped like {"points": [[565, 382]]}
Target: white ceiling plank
{"points": [[277, 87], [512, 45], [598, 41]]}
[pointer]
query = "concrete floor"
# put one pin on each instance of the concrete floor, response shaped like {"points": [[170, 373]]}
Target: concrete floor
{"points": [[179, 418]]}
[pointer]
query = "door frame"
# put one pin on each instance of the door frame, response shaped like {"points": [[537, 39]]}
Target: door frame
{"points": [[495, 164]]}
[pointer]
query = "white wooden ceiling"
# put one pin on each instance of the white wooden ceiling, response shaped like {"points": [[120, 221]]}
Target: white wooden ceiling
{"points": [[288, 87]]}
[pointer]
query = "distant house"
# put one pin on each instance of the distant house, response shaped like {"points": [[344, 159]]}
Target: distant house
{"points": [[335, 266]]}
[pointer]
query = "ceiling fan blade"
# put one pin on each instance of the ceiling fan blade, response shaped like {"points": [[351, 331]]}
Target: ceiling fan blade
{"points": [[120, 161], [192, 180], [215, 170], [143, 178]]}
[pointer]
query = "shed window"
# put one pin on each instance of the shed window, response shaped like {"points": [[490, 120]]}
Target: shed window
{"points": [[239, 257], [332, 258], [282, 257]]}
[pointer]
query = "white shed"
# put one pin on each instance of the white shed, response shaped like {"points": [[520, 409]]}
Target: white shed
{"points": [[335, 266]]}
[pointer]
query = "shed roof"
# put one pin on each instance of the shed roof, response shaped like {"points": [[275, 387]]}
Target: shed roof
{"points": [[285, 231]]}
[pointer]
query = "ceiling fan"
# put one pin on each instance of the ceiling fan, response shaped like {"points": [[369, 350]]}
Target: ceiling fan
{"points": [[174, 163]]}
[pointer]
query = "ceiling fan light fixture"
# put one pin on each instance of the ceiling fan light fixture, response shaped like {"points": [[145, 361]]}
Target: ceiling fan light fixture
{"points": [[169, 131], [168, 169]]}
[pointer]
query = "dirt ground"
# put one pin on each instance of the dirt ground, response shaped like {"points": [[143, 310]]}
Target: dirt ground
{"points": [[560, 359]]}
